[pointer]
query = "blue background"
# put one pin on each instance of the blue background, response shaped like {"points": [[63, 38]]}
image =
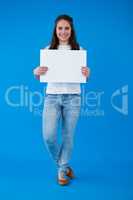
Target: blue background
{"points": [[103, 152]]}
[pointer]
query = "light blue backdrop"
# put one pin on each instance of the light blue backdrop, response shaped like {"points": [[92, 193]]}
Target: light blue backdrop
{"points": [[103, 152]]}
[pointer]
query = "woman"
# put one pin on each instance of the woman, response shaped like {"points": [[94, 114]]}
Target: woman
{"points": [[62, 101]]}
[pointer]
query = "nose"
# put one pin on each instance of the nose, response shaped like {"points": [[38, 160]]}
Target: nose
{"points": [[63, 30]]}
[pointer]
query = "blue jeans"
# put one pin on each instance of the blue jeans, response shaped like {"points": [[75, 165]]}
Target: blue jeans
{"points": [[64, 107]]}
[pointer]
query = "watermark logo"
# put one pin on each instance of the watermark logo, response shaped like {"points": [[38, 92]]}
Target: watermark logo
{"points": [[119, 100], [21, 96], [92, 102]]}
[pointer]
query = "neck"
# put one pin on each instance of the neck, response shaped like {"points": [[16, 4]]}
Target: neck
{"points": [[63, 43]]}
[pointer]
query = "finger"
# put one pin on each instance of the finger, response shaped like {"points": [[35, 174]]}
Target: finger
{"points": [[43, 67], [84, 70], [41, 71], [85, 73]]}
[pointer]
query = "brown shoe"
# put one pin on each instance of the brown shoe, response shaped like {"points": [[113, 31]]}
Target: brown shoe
{"points": [[70, 173], [63, 180]]}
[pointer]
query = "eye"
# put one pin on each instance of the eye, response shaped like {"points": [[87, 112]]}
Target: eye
{"points": [[60, 28], [67, 28]]}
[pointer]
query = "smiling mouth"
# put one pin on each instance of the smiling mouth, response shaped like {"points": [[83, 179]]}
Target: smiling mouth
{"points": [[64, 36]]}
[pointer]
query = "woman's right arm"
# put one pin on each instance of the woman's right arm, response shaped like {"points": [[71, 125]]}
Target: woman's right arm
{"points": [[40, 70]]}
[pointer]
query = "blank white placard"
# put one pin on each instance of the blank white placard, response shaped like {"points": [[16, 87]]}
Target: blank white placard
{"points": [[63, 65]]}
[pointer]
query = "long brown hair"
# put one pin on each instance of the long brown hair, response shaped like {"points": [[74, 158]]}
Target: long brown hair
{"points": [[72, 40]]}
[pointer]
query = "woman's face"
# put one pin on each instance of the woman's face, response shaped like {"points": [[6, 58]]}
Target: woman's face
{"points": [[63, 31]]}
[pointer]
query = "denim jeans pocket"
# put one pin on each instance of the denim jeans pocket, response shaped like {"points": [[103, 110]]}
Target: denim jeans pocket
{"points": [[76, 100], [50, 99]]}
